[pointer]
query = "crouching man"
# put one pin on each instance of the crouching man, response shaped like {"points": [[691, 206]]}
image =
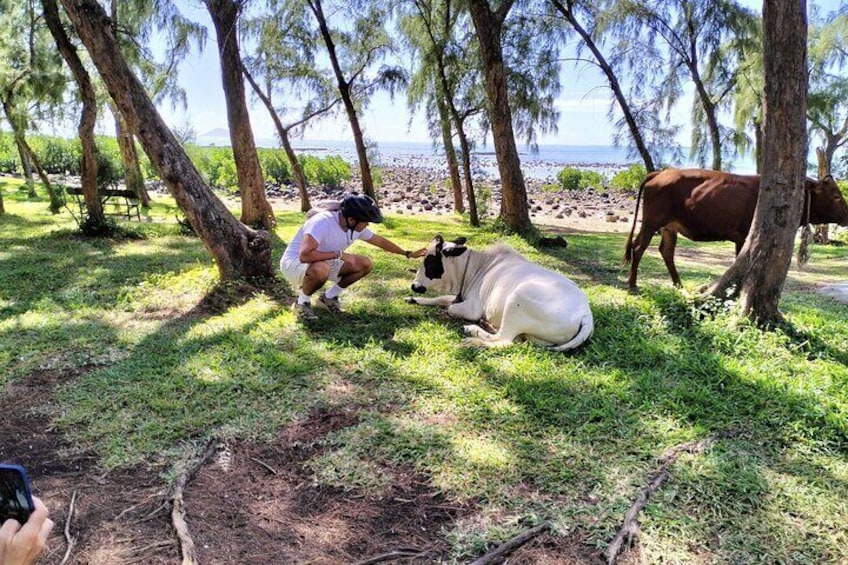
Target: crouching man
{"points": [[317, 253]]}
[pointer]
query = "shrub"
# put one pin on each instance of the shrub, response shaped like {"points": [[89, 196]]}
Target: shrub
{"points": [[275, 165], [593, 179], [329, 171], [8, 154], [630, 178], [569, 178]]}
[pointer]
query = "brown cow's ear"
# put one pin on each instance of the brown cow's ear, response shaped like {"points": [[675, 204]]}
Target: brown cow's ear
{"points": [[455, 251]]}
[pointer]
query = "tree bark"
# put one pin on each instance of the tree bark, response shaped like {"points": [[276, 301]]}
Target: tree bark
{"points": [[344, 92], [133, 178], [760, 269], [489, 25], [96, 221], [612, 79], [255, 209], [239, 252]]}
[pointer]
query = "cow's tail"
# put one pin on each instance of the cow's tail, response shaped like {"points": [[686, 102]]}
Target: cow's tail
{"points": [[587, 328], [628, 250]]}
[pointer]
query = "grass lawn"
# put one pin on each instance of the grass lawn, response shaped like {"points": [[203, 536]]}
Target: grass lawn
{"points": [[524, 434]]}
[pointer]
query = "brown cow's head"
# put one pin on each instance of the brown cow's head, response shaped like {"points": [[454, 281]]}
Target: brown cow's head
{"points": [[435, 272], [827, 205]]}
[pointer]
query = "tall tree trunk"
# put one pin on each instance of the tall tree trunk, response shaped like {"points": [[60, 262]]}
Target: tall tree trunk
{"points": [[488, 25], [133, 178], [344, 92], [28, 157], [450, 153], [239, 251], [255, 209], [763, 263], [26, 166], [96, 221], [465, 147], [612, 79], [710, 115], [283, 132], [824, 160]]}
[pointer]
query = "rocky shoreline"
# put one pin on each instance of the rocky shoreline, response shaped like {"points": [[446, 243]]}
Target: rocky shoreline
{"points": [[408, 190]]}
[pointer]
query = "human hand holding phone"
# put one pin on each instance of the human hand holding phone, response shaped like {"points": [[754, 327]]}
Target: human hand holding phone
{"points": [[25, 525]]}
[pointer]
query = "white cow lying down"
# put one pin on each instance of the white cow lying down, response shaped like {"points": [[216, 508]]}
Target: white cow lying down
{"points": [[519, 299]]}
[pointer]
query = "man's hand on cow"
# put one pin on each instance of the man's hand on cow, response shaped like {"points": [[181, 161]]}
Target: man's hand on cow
{"points": [[418, 253]]}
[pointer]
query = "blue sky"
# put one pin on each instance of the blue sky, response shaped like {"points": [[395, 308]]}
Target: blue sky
{"points": [[583, 104]]}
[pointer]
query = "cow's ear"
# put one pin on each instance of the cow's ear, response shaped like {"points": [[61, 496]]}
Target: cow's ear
{"points": [[460, 240], [439, 239], [455, 251]]}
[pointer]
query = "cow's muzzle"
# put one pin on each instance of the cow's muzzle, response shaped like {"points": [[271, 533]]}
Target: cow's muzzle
{"points": [[418, 288]]}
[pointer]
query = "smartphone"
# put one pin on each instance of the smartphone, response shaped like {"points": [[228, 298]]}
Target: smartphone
{"points": [[15, 495]]}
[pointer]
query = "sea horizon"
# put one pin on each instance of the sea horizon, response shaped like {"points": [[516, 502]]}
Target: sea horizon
{"points": [[543, 164]]}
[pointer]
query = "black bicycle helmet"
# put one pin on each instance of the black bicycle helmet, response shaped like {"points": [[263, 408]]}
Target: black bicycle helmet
{"points": [[361, 208]]}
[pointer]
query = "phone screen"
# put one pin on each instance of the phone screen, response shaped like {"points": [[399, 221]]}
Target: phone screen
{"points": [[15, 497]]}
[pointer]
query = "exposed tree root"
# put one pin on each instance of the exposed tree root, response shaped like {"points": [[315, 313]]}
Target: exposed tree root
{"points": [[69, 539], [511, 545], [392, 555], [178, 504], [630, 527]]}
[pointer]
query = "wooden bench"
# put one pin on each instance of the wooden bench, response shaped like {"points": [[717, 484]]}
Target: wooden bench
{"points": [[128, 207]]}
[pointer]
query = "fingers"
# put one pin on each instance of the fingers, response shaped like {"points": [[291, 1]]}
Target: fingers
{"points": [[9, 529], [37, 520]]}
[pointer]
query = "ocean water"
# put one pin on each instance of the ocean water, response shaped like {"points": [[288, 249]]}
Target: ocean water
{"points": [[543, 164]]}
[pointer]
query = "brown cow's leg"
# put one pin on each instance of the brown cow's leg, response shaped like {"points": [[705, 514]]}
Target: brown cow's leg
{"points": [[640, 244], [667, 245]]}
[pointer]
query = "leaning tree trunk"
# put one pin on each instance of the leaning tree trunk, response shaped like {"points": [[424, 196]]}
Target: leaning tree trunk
{"points": [[489, 25], [450, 153], [760, 269], [96, 221], [344, 91], [29, 156], [255, 209], [824, 161], [26, 168], [283, 132], [133, 177], [239, 251], [612, 79]]}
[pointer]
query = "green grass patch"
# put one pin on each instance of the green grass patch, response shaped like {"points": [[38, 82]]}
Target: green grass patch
{"points": [[525, 433]]}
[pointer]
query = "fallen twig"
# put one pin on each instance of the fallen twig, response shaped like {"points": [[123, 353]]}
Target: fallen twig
{"points": [[255, 460], [178, 509], [630, 527], [71, 541], [399, 554], [512, 544]]}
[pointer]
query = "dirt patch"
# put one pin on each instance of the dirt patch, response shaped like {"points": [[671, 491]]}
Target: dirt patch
{"points": [[253, 503]]}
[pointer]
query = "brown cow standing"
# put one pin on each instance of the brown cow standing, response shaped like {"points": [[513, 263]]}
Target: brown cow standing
{"points": [[708, 205]]}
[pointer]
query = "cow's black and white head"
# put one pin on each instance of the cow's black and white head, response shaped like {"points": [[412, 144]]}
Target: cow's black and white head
{"points": [[439, 270]]}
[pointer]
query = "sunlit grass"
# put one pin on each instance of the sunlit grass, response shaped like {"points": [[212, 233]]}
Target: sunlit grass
{"points": [[526, 434]]}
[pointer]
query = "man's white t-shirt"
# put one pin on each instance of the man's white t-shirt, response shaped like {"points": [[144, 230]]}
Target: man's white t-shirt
{"points": [[325, 229]]}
